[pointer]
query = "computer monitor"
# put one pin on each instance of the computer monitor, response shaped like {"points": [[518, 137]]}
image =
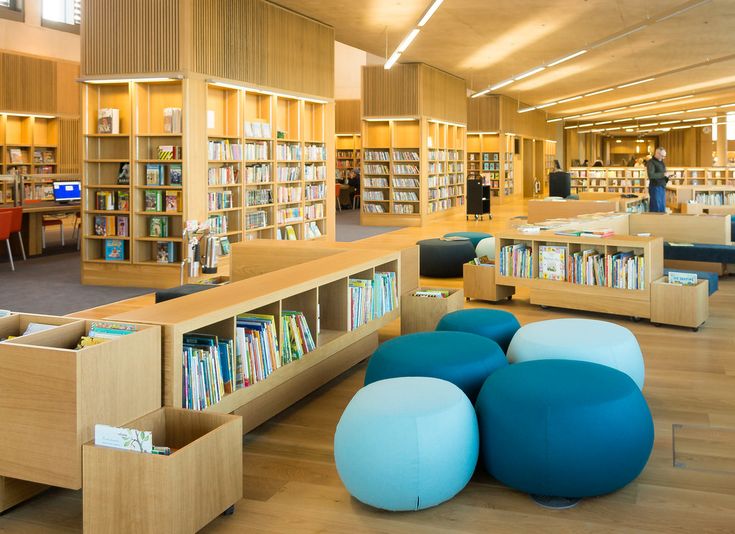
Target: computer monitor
{"points": [[67, 191]]}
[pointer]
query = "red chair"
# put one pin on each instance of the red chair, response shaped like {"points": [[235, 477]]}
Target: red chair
{"points": [[6, 219], [16, 225]]}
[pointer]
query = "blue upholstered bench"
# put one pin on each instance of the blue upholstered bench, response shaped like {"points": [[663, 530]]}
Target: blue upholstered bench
{"points": [[710, 277], [700, 252]]}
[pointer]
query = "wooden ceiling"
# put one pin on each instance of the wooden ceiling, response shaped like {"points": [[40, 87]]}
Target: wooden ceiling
{"points": [[486, 42]]}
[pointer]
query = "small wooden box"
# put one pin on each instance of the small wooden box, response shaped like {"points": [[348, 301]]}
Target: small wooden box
{"points": [[51, 396], [422, 314], [479, 283], [679, 305], [126, 491]]}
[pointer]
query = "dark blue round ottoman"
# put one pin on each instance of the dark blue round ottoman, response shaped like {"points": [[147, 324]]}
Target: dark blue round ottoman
{"points": [[475, 237], [444, 259], [498, 325], [463, 359], [563, 428]]}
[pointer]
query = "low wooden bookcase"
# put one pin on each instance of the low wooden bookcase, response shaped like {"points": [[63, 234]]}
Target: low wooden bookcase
{"points": [[52, 395], [318, 287], [126, 491]]}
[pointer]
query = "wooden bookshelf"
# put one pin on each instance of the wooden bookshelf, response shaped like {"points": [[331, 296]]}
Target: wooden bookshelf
{"points": [[28, 144], [679, 196], [635, 179], [315, 282], [488, 154], [411, 170], [565, 294], [53, 394], [348, 151]]}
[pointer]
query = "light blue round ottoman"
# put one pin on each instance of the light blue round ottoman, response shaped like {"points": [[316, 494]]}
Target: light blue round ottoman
{"points": [[580, 339], [463, 359], [474, 237], [563, 428], [498, 325], [486, 247], [406, 443]]}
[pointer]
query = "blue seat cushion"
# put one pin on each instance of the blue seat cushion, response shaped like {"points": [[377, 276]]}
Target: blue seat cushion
{"points": [[474, 237], [700, 252], [498, 325], [563, 428], [463, 359], [712, 278]]}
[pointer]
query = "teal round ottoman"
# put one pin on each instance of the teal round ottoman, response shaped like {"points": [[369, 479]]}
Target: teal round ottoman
{"points": [[580, 339], [486, 247], [474, 237], [563, 428], [406, 443], [498, 325], [463, 359]]}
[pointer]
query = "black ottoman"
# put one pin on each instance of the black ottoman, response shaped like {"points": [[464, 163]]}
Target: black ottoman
{"points": [[180, 291], [444, 259]]}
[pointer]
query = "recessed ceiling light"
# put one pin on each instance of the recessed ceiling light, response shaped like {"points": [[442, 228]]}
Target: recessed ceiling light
{"points": [[631, 84]]}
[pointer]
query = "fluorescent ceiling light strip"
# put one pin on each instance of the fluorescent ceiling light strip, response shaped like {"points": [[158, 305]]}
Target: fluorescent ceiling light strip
{"points": [[429, 13], [591, 113], [571, 127], [563, 101], [567, 58], [573, 117], [645, 117], [586, 124], [486, 91], [727, 105], [677, 98], [681, 127], [691, 120], [525, 110], [700, 109], [615, 109], [603, 122], [383, 119], [502, 84], [650, 103], [9, 114], [407, 40], [548, 104], [555, 120], [670, 122], [126, 80], [631, 84], [622, 120], [669, 114], [392, 60], [682, 10], [648, 125], [529, 73], [600, 91]]}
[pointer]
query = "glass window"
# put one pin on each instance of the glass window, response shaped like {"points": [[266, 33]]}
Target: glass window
{"points": [[64, 15], [12, 10]]}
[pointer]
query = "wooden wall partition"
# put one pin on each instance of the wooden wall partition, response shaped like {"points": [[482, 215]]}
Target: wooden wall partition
{"points": [[70, 146], [442, 95], [499, 113], [347, 116]]}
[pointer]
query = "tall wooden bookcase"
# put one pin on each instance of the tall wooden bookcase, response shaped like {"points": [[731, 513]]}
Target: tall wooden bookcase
{"points": [[491, 155], [348, 147]]}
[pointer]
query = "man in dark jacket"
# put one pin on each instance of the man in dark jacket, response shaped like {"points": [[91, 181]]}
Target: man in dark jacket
{"points": [[657, 179]]}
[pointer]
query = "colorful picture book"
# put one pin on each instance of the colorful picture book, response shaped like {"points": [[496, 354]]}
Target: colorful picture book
{"points": [[108, 121], [123, 438], [111, 225], [165, 252], [684, 279], [158, 227], [172, 201], [209, 370], [552, 262], [174, 174], [154, 174], [114, 250], [296, 339], [153, 200]]}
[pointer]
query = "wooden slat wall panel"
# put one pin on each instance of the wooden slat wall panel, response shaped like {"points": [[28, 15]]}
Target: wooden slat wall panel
{"points": [[347, 116], [29, 84], [499, 113], [483, 114], [68, 89], [394, 92], [443, 96], [70, 146], [124, 37], [260, 43]]}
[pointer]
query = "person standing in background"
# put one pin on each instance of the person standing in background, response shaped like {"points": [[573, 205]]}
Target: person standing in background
{"points": [[657, 179]]}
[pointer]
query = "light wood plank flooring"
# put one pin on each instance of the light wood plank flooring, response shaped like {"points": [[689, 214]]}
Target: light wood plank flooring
{"points": [[291, 484]]}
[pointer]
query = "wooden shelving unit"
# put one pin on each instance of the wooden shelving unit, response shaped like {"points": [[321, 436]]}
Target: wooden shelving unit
{"points": [[700, 195], [348, 152], [635, 179], [489, 156], [411, 169], [317, 287], [565, 294]]}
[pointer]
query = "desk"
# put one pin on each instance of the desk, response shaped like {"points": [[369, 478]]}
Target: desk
{"points": [[32, 217]]}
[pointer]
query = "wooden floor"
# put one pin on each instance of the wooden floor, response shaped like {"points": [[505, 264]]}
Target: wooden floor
{"points": [[291, 484]]}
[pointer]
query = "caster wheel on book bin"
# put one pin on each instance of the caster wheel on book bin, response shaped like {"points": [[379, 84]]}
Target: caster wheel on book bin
{"points": [[509, 297], [657, 325], [635, 319], [229, 511], [695, 329]]}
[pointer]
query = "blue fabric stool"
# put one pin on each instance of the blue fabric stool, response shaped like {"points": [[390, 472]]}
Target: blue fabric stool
{"points": [[712, 278], [486, 247], [580, 339], [406, 443], [498, 325], [463, 359], [474, 237], [563, 428]]}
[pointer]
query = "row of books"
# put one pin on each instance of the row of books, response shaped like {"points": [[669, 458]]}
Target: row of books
{"points": [[112, 225], [405, 155], [289, 215], [158, 200], [157, 174], [405, 169], [719, 198], [375, 182], [224, 175], [405, 195], [515, 260], [172, 120], [315, 192], [257, 151], [315, 172], [258, 197], [314, 211], [311, 230], [289, 194], [288, 174], [255, 174], [224, 150], [622, 270], [112, 200], [373, 208], [288, 151], [376, 169], [288, 233], [376, 155], [371, 299], [373, 195], [257, 129], [256, 219], [158, 226], [436, 168], [406, 183], [43, 156], [315, 152], [403, 209], [166, 152], [217, 224], [220, 200]]}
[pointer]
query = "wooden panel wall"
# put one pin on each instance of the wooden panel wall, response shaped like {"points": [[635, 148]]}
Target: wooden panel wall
{"points": [[348, 118], [413, 89], [443, 96], [389, 93], [70, 146], [27, 84], [68, 89], [263, 44], [483, 114], [683, 147], [124, 37], [499, 113]]}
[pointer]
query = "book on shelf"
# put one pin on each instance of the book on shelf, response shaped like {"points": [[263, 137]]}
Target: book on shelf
{"points": [[552, 262], [129, 439], [209, 367], [172, 120], [515, 260], [224, 244], [296, 339], [15, 155], [105, 200], [123, 201], [165, 252], [257, 346], [311, 230], [290, 233], [166, 152], [104, 225], [361, 297], [114, 250], [158, 227], [123, 174], [108, 121], [153, 200], [432, 293], [154, 174], [598, 233], [172, 201], [174, 174], [48, 156], [123, 225], [482, 260]]}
